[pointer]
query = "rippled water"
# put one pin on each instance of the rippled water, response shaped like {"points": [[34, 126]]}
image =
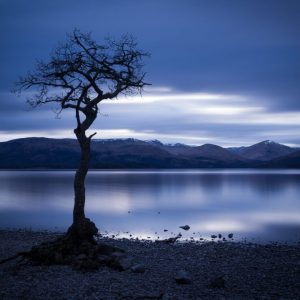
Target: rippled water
{"points": [[257, 205]]}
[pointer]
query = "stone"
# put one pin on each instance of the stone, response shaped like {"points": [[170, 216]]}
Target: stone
{"points": [[170, 240], [183, 277], [230, 235], [213, 236], [122, 263], [218, 282], [138, 268], [185, 227]]}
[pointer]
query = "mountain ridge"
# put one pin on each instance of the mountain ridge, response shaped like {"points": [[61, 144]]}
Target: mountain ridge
{"points": [[41, 152], [265, 150]]}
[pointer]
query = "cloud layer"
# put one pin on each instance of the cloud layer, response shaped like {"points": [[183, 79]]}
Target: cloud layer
{"points": [[166, 114]]}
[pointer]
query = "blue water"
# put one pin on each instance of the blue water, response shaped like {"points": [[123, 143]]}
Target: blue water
{"points": [[255, 205]]}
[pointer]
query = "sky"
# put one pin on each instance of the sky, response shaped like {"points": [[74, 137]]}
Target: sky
{"points": [[222, 72]]}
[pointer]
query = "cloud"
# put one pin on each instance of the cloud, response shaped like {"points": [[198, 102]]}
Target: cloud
{"points": [[166, 114]]}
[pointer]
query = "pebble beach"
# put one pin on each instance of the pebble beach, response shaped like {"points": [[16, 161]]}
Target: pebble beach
{"points": [[193, 270]]}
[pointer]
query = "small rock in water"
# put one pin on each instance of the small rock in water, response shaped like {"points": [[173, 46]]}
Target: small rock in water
{"points": [[213, 236], [185, 227], [230, 235], [170, 240], [220, 235], [218, 282], [138, 268], [165, 230], [183, 277]]}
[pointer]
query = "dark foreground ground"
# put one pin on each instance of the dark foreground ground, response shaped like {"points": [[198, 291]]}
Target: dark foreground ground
{"points": [[245, 272]]}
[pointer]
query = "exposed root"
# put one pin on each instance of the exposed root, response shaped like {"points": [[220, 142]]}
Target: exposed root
{"points": [[84, 256], [19, 254], [80, 251]]}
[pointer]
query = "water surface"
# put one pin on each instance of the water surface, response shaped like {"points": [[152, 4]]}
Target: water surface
{"points": [[256, 205]]}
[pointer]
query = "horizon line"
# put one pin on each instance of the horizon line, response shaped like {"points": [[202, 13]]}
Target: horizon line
{"points": [[151, 140]]}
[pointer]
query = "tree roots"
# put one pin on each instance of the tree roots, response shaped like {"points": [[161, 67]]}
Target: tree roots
{"points": [[77, 249]]}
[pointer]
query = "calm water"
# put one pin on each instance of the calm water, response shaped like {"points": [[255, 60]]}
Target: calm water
{"points": [[255, 205]]}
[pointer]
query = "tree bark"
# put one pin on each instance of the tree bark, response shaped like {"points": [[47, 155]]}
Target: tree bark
{"points": [[79, 180], [82, 228]]}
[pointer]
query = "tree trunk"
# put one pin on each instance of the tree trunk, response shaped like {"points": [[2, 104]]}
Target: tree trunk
{"points": [[82, 228], [79, 180]]}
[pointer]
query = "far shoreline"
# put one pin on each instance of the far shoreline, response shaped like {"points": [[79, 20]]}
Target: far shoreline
{"points": [[173, 170]]}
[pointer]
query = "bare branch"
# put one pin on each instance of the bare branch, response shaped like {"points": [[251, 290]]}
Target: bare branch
{"points": [[80, 70], [93, 134]]}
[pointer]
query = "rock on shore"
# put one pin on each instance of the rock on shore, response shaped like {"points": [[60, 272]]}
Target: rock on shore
{"points": [[216, 270]]}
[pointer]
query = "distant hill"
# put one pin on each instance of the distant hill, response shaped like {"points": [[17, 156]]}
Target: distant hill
{"points": [[35, 153], [131, 153], [211, 151], [39, 153], [265, 151], [289, 161]]}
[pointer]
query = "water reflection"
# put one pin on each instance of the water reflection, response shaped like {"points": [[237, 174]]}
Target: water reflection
{"points": [[255, 204]]}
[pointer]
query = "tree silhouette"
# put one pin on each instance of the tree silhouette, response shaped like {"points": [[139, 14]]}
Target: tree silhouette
{"points": [[79, 75]]}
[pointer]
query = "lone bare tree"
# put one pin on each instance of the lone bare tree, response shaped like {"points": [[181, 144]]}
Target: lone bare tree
{"points": [[79, 75]]}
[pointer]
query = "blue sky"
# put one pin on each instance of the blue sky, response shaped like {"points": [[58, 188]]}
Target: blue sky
{"points": [[223, 72]]}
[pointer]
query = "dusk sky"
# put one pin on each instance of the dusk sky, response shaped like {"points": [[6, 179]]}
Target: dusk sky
{"points": [[222, 72]]}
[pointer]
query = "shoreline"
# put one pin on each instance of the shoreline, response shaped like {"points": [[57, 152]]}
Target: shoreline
{"points": [[184, 239], [284, 170], [247, 270]]}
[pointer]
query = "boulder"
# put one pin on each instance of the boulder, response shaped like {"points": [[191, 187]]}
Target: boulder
{"points": [[183, 277], [218, 282], [122, 263], [138, 268]]}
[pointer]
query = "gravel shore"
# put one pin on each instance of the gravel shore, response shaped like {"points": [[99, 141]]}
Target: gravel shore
{"points": [[216, 270]]}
